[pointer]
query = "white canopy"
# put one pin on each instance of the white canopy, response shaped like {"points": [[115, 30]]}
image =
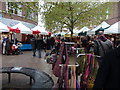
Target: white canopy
{"points": [[102, 25], [113, 29], [41, 29], [62, 33], [22, 28], [4, 28], [84, 29], [74, 31]]}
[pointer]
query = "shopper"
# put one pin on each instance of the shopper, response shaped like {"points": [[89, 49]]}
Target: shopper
{"points": [[51, 42], [33, 43], [4, 45], [102, 45], [8, 46], [40, 45], [108, 76]]}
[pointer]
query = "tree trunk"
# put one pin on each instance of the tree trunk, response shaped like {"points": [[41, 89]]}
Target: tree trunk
{"points": [[71, 34]]}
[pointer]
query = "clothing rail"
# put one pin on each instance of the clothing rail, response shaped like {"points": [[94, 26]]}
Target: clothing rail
{"points": [[69, 65], [87, 54], [79, 48], [70, 43]]}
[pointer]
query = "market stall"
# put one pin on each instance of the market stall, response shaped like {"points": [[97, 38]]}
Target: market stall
{"points": [[82, 31], [113, 29], [40, 29], [102, 26], [114, 33], [25, 33]]}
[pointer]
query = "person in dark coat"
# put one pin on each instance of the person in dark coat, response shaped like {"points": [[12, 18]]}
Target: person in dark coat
{"points": [[33, 43], [8, 46], [108, 75], [40, 45], [51, 42], [102, 45]]}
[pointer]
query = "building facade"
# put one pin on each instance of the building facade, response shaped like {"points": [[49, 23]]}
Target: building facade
{"points": [[15, 12], [115, 15], [12, 13]]}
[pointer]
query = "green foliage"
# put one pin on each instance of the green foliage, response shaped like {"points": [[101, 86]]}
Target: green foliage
{"points": [[74, 14]]}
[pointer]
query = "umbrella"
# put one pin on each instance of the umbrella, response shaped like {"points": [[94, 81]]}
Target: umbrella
{"points": [[22, 28]]}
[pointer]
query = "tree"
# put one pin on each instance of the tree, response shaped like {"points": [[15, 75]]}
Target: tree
{"points": [[74, 14]]}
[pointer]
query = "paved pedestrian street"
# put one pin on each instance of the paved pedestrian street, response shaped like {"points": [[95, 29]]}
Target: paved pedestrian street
{"points": [[24, 60]]}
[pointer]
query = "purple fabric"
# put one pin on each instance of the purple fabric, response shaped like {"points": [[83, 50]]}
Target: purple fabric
{"points": [[57, 68], [77, 85], [102, 37]]}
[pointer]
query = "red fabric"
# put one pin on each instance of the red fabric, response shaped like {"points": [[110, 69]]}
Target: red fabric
{"points": [[17, 30], [35, 32], [14, 30], [23, 37], [49, 33]]}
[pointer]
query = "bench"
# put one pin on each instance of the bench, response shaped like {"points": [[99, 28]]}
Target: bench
{"points": [[41, 79]]}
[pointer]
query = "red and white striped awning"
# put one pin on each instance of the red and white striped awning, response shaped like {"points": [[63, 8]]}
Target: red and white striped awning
{"points": [[20, 28], [35, 31], [40, 29]]}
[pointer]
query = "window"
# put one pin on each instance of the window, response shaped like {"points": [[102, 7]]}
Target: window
{"points": [[14, 8]]}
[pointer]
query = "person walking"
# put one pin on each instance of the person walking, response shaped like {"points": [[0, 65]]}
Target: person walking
{"points": [[8, 46], [102, 45], [40, 45], [51, 42], [33, 43], [108, 75]]}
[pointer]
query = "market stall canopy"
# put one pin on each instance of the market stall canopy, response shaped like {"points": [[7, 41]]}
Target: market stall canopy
{"points": [[60, 33], [84, 29], [49, 33], [23, 29], [103, 26], [40, 29], [35, 31], [74, 31], [113, 29], [4, 28]]}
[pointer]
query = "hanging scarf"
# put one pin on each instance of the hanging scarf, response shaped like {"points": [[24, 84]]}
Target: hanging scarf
{"points": [[74, 74], [66, 78], [57, 68]]}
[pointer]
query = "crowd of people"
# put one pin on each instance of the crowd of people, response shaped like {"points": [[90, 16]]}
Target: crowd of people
{"points": [[10, 47], [99, 45]]}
